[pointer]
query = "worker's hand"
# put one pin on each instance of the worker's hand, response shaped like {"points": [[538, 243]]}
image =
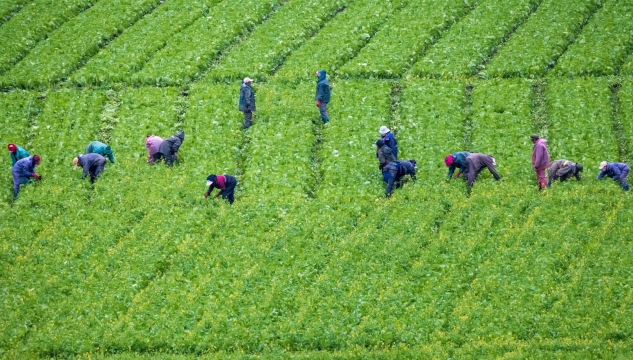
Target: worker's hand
{"points": [[457, 175], [206, 195], [37, 176], [318, 104]]}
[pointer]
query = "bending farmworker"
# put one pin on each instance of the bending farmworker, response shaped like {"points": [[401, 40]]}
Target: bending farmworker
{"points": [[540, 159], [92, 164], [97, 147], [152, 144], [247, 102], [397, 171], [475, 163], [17, 153], [168, 149], [225, 183], [454, 161], [617, 171], [322, 95], [563, 170], [385, 157], [23, 171]]}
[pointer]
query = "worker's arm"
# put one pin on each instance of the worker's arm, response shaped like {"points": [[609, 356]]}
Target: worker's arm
{"points": [[111, 157], [86, 168], [601, 174], [247, 98], [617, 174], [393, 172], [451, 170], [206, 195], [493, 171]]}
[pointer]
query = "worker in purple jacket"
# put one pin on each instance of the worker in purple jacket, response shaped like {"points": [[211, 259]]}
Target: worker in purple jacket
{"points": [[617, 171], [540, 159], [475, 163], [23, 171]]}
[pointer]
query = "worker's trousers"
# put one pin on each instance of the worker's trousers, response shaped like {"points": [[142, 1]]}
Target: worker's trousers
{"points": [[623, 180], [540, 176], [248, 119], [323, 111]]}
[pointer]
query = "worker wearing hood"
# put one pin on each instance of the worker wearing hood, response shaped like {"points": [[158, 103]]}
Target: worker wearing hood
{"points": [[168, 149], [322, 95]]}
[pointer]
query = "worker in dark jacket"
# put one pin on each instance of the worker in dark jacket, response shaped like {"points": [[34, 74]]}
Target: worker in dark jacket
{"points": [[475, 163], [389, 139], [23, 171], [617, 171], [563, 170], [100, 148], [225, 183], [385, 156], [397, 171], [454, 161], [92, 164], [168, 149], [322, 95], [17, 153], [247, 102]]}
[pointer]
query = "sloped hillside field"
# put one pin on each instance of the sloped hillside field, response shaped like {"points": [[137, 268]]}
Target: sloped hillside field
{"points": [[312, 261]]}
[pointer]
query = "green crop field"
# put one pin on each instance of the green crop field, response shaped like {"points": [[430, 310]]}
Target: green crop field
{"points": [[312, 261]]}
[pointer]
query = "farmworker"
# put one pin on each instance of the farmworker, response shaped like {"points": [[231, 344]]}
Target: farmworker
{"points": [[454, 161], [540, 159], [475, 163], [100, 148], [389, 139], [247, 102], [168, 149], [563, 170], [322, 95], [225, 183], [617, 171], [152, 144], [23, 171], [17, 153], [385, 156], [397, 171], [92, 164]]}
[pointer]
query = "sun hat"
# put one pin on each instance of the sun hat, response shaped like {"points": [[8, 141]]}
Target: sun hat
{"points": [[383, 130]]}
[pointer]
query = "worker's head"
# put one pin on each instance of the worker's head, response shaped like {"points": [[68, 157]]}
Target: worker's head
{"points": [[384, 130], [211, 179], [534, 138], [12, 148], [108, 149], [448, 161], [248, 80], [76, 162], [579, 168], [317, 73], [36, 159], [380, 144], [602, 165]]}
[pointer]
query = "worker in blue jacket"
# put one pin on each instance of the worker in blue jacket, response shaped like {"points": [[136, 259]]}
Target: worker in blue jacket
{"points": [[617, 171], [389, 140], [92, 164], [454, 161], [17, 153], [23, 171], [322, 95]]}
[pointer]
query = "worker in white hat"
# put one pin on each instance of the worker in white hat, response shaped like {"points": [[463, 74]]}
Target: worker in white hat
{"points": [[387, 137], [247, 101], [617, 171]]}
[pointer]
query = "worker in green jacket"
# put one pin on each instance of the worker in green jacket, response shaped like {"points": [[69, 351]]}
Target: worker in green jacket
{"points": [[97, 147], [17, 153]]}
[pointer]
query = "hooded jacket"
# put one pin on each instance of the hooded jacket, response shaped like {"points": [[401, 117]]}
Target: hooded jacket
{"points": [[19, 154], [385, 156], [479, 161], [152, 144], [397, 170], [540, 156], [23, 170], [89, 161], [390, 141], [247, 98], [616, 171], [100, 148], [171, 145], [322, 88], [563, 169], [459, 162]]}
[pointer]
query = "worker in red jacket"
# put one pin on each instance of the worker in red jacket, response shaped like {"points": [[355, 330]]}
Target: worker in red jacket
{"points": [[225, 183], [540, 160]]}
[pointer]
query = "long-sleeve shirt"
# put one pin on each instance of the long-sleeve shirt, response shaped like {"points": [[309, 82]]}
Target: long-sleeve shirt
{"points": [[219, 183], [23, 170], [616, 171], [89, 160], [100, 148], [459, 162], [563, 169], [390, 141], [479, 161], [540, 156], [152, 144], [19, 154]]}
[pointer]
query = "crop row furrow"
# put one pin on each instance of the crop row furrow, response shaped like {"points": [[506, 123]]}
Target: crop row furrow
{"points": [[9, 8], [468, 44]]}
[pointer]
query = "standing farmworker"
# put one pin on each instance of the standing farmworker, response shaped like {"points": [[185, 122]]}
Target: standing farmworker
{"points": [[322, 95], [475, 163], [92, 164], [454, 161], [17, 153], [23, 171], [385, 157], [225, 183], [168, 149], [247, 102], [397, 171], [617, 171], [563, 170], [100, 148], [152, 144], [540, 159], [389, 139]]}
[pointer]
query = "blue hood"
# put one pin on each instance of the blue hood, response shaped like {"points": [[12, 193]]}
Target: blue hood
{"points": [[322, 75]]}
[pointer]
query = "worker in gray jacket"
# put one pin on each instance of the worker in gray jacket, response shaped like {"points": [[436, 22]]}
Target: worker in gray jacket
{"points": [[475, 163], [247, 102], [92, 164], [563, 170], [168, 149]]}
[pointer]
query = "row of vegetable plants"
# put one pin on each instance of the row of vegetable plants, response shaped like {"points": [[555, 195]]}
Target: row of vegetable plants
{"points": [[76, 41], [266, 49], [547, 34], [32, 25], [473, 40], [340, 39], [9, 7], [417, 27], [603, 45], [129, 52], [625, 102], [581, 124], [193, 50]]}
